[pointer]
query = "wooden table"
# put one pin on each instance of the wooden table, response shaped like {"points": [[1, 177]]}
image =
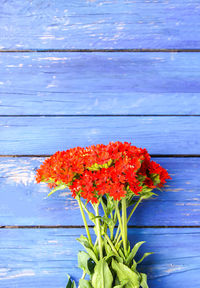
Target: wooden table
{"points": [[76, 73]]}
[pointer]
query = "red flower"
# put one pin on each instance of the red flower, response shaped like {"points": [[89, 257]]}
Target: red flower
{"points": [[102, 169]]}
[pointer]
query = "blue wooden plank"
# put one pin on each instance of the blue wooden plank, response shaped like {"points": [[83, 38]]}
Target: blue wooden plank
{"points": [[23, 202], [43, 257], [99, 83], [99, 24], [46, 135]]}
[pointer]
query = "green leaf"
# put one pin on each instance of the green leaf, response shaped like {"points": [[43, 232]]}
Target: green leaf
{"points": [[133, 252], [84, 283], [134, 266], [119, 259], [107, 247], [143, 282], [124, 273], [148, 195], [91, 216], [85, 242], [111, 254], [122, 285], [121, 254], [144, 256], [117, 246], [92, 254], [110, 205], [155, 178], [102, 277], [141, 178], [108, 221], [83, 258], [59, 187], [70, 283]]}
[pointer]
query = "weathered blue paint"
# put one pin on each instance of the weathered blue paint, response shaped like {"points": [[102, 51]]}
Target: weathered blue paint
{"points": [[23, 202], [43, 257], [99, 24], [46, 135], [99, 83]]}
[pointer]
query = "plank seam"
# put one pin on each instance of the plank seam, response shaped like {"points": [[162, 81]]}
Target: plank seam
{"points": [[152, 155], [90, 226], [103, 115], [96, 50]]}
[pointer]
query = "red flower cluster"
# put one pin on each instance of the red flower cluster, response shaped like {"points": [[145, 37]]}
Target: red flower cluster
{"points": [[97, 170]]}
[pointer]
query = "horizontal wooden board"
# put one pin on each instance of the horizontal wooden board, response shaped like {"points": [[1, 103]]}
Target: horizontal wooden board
{"points": [[99, 24], [23, 202], [46, 135], [43, 257], [99, 83]]}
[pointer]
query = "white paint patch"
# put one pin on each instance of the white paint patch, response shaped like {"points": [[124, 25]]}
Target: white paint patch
{"points": [[52, 241], [47, 37], [94, 131], [3, 271], [175, 268], [22, 177], [21, 174], [51, 85], [23, 273], [53, 58], [1, 83], [11, 66], [64, 194]]}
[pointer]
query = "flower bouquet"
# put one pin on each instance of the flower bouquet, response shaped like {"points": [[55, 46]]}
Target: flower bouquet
{"points": [[109, 178]]}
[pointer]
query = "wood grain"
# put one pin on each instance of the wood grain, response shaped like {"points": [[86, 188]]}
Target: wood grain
{"points": [[99, 24], [46, 135], [23, 202], [43, 257], [99, 83]]}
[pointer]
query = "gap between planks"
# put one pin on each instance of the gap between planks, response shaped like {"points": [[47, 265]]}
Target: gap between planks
{"points": [[90, 226], [103, 115], [97, 50], [152, 155]]}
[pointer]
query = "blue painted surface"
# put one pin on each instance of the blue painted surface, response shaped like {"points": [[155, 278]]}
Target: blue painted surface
{"points": [[43, 257], [99, 83], [23, 202], [79, 84], [99, 24], [46, 135]]}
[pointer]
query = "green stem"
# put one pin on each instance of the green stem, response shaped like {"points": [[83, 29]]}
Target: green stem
{"points": [[111, 233], [120, 225], [104, 210], [118, 239], [111, 244], [132, 211], [116, 234], [124, 223], [134, 208], [84, 220], [83, 276], [104, 207], [96, 208]]}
